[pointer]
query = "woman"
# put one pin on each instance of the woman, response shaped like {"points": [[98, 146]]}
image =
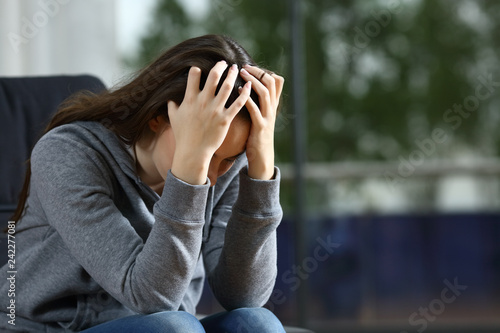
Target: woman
{"points": [[137, 194]]}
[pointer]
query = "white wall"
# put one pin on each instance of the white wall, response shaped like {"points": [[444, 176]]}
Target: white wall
{"points": [[47, 37]]}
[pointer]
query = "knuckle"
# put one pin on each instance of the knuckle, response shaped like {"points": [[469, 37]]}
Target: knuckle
{"points": [[225, 121], [266, 95], [217, 71], [214, 76], [268, 79], [226, 86], [238, 104], [278, 77]]}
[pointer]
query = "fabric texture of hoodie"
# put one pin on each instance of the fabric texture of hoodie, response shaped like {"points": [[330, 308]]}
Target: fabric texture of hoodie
{"points": [[96, 244]]}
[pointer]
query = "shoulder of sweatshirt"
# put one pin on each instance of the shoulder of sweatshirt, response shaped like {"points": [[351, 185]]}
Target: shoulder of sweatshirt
{"points": [[93, 137]]}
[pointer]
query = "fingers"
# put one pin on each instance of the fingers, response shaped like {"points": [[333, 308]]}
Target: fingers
{"points": [[171, 108], [262, 91], [267, 85], [280, 82], [228, 85], [265, 78], [253, 110], [214, 78], [193, 82], [242, 100], [274, 83]]}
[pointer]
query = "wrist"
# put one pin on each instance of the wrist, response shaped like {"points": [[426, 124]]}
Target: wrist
{"points": [[260, 169], [191, 168]]}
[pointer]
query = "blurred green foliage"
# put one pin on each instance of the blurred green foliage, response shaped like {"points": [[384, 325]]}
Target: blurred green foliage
{"points": [[381, 75]]}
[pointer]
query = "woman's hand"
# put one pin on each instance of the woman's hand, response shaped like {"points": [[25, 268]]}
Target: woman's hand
{"points": [[200, 124], [260, 144]]}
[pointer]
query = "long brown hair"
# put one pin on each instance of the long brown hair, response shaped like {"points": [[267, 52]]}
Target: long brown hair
{"points": [[127, 110]]}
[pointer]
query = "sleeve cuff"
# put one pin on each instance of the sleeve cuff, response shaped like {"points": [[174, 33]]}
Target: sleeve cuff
{"points": [[259, 197], [183, 201]]}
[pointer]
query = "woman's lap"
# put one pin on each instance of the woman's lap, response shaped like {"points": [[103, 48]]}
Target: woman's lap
{"points": [[241, 320]]}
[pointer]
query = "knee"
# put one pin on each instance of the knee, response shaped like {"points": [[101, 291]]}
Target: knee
{"points": [[262, 319], [176, 321]]}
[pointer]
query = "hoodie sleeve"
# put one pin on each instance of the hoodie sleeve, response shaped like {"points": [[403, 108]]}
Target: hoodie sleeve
{"points": [[75, 188], [240, 255]]}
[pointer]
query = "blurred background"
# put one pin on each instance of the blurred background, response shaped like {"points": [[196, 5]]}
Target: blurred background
{"points": [[388, 140]]}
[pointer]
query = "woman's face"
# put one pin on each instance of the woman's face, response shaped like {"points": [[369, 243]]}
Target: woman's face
{"points": [[233, 145]]}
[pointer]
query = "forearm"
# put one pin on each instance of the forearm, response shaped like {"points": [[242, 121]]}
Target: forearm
{"points": [[242, 279], [244, 271], [261, 163], [164, 268]]}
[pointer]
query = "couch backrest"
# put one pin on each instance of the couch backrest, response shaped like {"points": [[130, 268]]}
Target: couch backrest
{"points": [[26, 106]]}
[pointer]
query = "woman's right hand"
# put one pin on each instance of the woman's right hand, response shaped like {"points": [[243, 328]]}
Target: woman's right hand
{"points": [[200, 124]]}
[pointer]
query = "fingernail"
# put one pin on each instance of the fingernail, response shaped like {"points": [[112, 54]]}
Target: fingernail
{"points": [[247, 65], [234, 67], [248, 85], [223, 61], [240, 88], [244, 71]]}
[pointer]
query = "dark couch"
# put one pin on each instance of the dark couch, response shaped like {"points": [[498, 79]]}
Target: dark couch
{"points": [[26, 105]]}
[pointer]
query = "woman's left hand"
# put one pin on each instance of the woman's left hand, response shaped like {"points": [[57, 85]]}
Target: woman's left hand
{"points": [[260, 144]]}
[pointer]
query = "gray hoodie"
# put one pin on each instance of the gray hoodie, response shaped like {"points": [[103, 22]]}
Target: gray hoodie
{"points": [[96, 244]]}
